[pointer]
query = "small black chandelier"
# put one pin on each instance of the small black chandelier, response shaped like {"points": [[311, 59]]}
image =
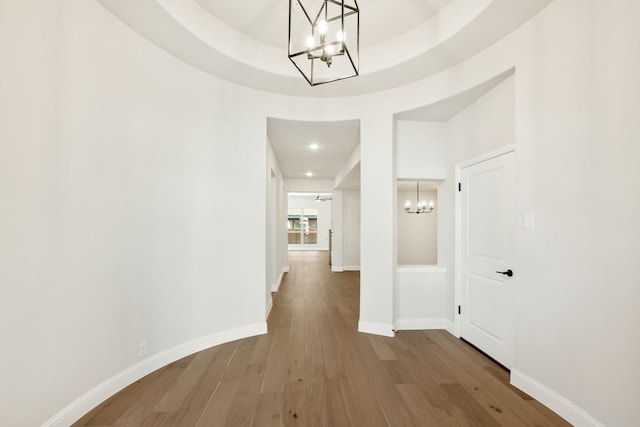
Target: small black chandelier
{"points": [[324, 39], [421, 206]]}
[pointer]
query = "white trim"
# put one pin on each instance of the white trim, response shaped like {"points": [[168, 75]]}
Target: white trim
{"points": [[458, 247], [337, 269], [421, 269], [557, 403], [351, 268], [418, 324], [269, 306], [275, 287], [111, 386], [384, 329], [450, 327], [505, 149]]}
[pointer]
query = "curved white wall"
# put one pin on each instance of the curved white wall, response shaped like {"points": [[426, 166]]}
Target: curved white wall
{"points": [[115, 226], [115, 222]]}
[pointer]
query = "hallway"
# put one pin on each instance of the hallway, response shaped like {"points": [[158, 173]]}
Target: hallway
{"points": [[314, 368]]}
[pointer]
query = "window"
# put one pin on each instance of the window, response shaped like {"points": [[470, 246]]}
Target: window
{"points": [[302, 225]]}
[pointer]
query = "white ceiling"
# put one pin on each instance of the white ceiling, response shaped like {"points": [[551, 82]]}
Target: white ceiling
{"points": [[266, 20], [245, 41], [290, 140]]}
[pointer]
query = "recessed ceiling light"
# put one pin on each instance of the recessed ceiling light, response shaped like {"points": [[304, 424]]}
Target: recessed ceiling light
{"points": [[314, 146], [309, 174]]}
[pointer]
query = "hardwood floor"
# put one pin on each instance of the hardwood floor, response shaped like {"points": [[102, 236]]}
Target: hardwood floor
{"points": [[314, 369]]}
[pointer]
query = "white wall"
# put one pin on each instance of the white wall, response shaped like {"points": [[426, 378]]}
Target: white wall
{"points": [[117, 223], [346, 216], [343, 179], [377, 225], [112, 155], [421, 294], [276, 242], [577, 131], [336, 232], [351, 229], [308, 185], [417, 234], [421, 150]]}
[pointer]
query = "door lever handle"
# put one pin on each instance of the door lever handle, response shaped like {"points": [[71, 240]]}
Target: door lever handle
{"points": [[506, 273]]}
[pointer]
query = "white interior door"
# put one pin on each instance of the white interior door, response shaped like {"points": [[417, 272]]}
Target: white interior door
{"points": [[487, 247]]}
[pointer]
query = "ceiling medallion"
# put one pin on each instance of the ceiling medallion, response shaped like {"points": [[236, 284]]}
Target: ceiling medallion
{"points": [[324, 39]]}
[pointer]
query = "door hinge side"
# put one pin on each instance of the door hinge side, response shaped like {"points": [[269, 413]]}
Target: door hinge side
{"points": [[459, 309], [459, 186]]}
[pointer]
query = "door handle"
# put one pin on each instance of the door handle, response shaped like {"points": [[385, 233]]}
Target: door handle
{"points": [[506, 273]]}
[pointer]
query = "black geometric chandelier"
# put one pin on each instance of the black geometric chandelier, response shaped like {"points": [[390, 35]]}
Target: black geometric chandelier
{"points": [[324, 39]]}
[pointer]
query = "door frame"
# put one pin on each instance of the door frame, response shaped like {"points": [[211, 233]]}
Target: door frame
{"points": [[505, 149]]}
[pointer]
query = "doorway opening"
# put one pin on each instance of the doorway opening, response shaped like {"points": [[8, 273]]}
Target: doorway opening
{"points": [[308, 221]]}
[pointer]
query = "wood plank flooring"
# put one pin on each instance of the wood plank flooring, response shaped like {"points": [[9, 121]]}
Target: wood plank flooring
{"points": [[314, 369]]}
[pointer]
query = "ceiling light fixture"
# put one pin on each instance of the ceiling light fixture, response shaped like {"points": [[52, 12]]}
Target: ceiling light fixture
{"points": [[324, 44], [421, 205], [314, 146], [309, 174], [322, 197]]}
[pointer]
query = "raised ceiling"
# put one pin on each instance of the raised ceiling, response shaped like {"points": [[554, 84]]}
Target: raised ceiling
{"points": [[245, 41], [267, 20]]}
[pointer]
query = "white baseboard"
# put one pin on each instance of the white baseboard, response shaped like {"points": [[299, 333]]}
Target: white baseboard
{"points": [[419, 324], [340, 268], [276, 286], [108, 388], [269, 305], [307, 248], [557, 403], [421, 269], [450, 327], [386, 330]]}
